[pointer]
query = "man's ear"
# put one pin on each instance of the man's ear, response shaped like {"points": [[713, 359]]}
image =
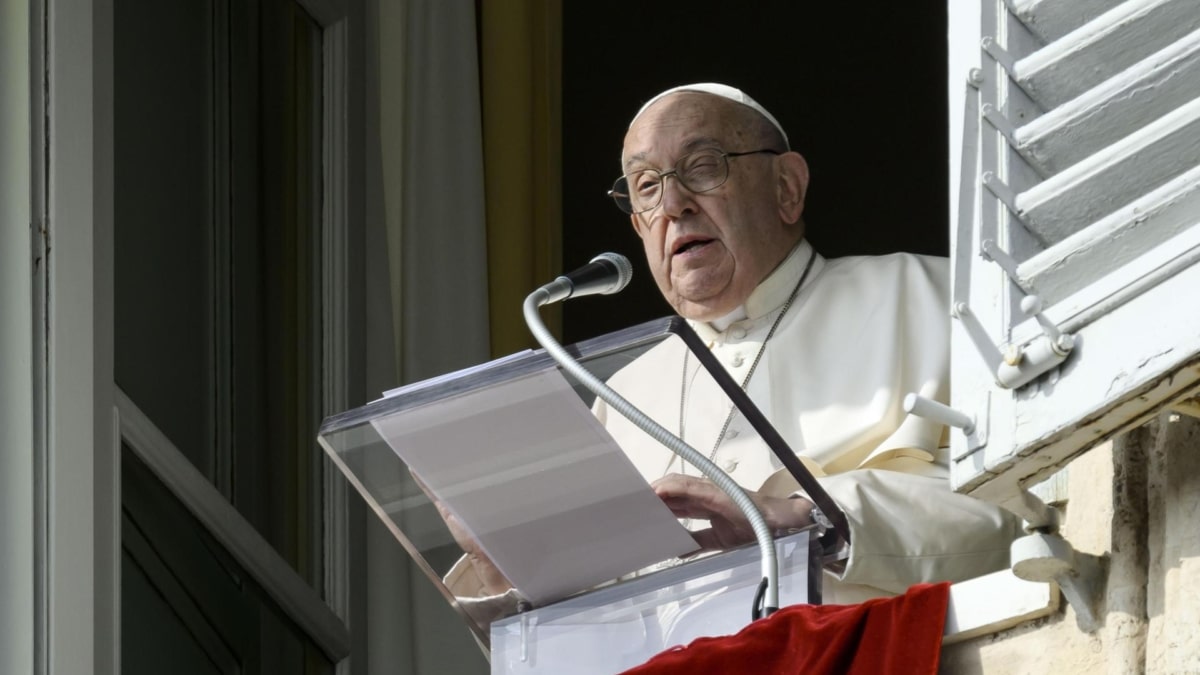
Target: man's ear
{"points": [[793, 186]]}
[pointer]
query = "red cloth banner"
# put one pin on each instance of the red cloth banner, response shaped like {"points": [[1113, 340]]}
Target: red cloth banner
{"points": [[900, 635]]}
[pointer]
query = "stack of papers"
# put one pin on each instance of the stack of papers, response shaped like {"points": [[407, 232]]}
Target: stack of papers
{"points": [[537, 481]]}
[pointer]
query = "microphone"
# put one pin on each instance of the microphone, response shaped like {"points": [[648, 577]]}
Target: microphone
{"points": [[606, 274]]}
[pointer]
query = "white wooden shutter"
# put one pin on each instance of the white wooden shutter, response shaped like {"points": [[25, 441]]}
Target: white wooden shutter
{"points": [[1077, 233]]}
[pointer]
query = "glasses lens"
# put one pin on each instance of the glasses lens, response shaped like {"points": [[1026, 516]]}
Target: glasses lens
{"points": [[703, 170], [645, 189], [637, 192], [620, 195]]}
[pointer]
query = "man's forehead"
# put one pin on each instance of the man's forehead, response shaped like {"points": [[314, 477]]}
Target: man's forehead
{"points": [[687, 145], [679, 124]]}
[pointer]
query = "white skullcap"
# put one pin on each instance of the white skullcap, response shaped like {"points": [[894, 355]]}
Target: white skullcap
{"points": [[724, 91]]}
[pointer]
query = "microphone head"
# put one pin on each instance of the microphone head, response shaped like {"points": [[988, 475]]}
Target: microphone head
{"points": [[624, 271]]}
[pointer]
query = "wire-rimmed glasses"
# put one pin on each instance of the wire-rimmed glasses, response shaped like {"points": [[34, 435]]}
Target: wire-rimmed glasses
{"points": [[698, 171]]}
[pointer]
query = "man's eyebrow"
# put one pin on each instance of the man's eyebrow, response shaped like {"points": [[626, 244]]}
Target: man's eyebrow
{"points": [[690, 145], [637, 158]]}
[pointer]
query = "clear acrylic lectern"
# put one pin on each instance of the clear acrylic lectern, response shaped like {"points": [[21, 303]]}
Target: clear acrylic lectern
{"points": [[507, 454]]}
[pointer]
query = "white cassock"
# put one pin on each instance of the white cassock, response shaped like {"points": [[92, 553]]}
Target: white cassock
{"points": [[861, 334]]}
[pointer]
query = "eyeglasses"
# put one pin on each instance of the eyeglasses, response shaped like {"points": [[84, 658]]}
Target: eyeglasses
{"points": [[699, 171]]}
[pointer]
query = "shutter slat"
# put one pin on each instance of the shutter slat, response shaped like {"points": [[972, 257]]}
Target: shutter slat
{"points": [[1104, 47], [1113, 177], [1106, 113], [1052, 19], [1091, 253]]}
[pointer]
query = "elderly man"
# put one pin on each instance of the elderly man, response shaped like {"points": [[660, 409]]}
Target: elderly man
{"points": [[827, 349]]}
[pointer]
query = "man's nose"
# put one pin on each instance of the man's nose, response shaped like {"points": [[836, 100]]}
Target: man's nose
{"points": [[676, 198]]}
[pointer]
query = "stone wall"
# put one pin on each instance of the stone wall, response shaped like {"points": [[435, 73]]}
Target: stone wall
{"points": [[1135, 501]]}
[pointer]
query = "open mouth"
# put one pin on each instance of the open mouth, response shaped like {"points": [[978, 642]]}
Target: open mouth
{"points": [[691, 245]]}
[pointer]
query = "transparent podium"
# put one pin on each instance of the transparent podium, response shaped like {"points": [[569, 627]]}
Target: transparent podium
{"points": [[620, 626], [507, 459]]}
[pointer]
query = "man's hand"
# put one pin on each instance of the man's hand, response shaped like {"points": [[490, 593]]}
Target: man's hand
{"points": [[492, 581], [489, 575], [699, 498]]}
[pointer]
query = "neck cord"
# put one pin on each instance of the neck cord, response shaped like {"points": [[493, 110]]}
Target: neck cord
{"points": [[745, 381]]}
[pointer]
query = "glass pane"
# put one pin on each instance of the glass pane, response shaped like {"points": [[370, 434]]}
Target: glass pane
{"points": [[187, 605]]}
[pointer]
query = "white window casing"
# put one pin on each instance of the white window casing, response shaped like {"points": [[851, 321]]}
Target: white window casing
{"points": [[1077, 230]]}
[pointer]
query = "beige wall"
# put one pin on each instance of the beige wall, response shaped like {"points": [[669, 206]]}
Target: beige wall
{"points": [[1136, 502]]}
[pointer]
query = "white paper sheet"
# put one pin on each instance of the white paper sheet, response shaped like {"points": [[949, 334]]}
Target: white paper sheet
{"points": [[536, 479]]}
